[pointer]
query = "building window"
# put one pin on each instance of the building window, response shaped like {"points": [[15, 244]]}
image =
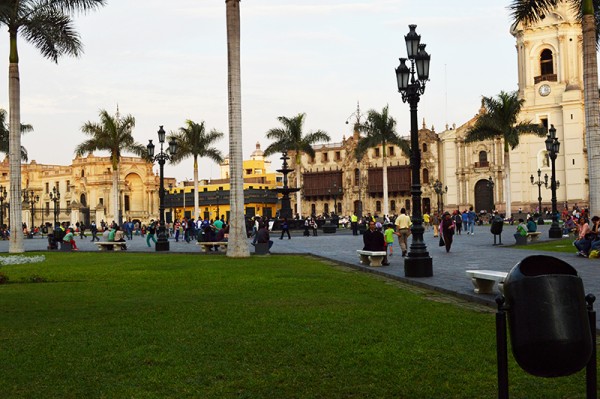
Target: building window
{"points": [[378, 206], [101, 201], [377, 153], [47, 207], [357, 177], [482, 156], [425, 176], [127, 203], [82, 173], [68, 204], [393, 206], [391, 151], [68, 186], [248, 171], [325, 157], [424, 147], [326, 209], [546, 63], [57, 185], [313, 209], [311, 159], [338, 155], [47, 188], [407, 205]]}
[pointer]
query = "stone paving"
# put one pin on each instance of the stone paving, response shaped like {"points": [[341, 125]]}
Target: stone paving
{"points": [[468, 252]]}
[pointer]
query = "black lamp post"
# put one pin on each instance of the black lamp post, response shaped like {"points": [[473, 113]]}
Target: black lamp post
{"points": [[335, 191], [540, 183], [218, 210], [490, 185], [3, 197], [55, 197], [417, 263], [440, 191], [162, 243], [553, 148], [30, 198]]}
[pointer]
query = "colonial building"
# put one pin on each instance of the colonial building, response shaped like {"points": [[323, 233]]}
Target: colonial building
{"points": [[550, 71], [81, 192]]}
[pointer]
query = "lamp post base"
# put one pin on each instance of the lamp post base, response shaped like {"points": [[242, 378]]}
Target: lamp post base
{"points": [[162, 245], [555, 231], [418, 267]]}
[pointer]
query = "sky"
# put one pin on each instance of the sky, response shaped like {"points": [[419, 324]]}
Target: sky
{"points": [[166, 62]]}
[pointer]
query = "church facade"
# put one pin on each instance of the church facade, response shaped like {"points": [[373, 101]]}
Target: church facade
{"points": [[550, 80]]}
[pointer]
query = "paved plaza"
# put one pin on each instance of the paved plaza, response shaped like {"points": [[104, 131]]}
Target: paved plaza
{"points": [[468, 252]]}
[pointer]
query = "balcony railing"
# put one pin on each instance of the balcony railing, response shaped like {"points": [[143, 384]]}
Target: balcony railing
{"points": [[484, 164], [549, 77]]}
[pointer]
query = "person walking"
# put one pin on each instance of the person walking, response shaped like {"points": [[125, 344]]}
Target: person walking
{"points": [[285, 228], [403, 224], [354, 223], [447, 228], [388, 235], [471, 221], [435, 222], [457, 221], [151, 233], [94, 230]]}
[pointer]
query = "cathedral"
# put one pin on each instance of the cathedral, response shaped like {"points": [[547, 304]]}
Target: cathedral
{"points": [[550, 80]]}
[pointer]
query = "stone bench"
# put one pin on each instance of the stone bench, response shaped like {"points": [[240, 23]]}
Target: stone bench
{"points": [[533, 236], [110, 245], [484, 280], [206, 246], [371, 258]]}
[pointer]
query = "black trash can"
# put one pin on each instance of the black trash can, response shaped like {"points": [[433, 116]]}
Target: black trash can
{"points": [[497, 225], [547, 315]]}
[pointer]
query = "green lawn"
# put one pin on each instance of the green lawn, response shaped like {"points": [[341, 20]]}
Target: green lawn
{"points": [[562, 245], [128, 325]]}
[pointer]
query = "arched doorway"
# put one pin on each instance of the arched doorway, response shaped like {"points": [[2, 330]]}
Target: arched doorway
{"points": [[84, 210], [484, 198]]}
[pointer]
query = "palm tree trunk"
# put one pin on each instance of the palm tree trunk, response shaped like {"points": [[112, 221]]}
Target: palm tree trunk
{"points": [[115, 197], [298, 183], [196, 205], [238, 244], [385, 185], [592, 105], [507, 181], [14, 154]]}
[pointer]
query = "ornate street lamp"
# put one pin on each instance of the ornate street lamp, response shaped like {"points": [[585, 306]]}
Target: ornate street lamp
{"points": [[553, 148], [162, 243], [218, 210], [417, 263], [3, 197], [335, 191], [540, 183], [30, 198], [55, 197], [440, 191], [490, 185]]}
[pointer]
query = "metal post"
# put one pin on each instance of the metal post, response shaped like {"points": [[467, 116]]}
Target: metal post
{"points": [[591, 372], [501, 348]]}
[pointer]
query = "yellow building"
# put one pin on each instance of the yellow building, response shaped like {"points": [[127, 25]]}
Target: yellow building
{"points": [[213, 194]]}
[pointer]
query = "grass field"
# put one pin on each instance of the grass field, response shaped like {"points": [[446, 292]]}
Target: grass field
{"points": [[562, 245], [187, 326]]}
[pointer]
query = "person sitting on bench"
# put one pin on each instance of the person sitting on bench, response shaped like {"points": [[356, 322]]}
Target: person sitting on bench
{"points": [[374, 240], [262, 235], [119, 236], [70, 239]]}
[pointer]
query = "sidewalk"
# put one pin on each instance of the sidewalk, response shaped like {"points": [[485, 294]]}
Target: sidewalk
{"points": [[468, 252]]}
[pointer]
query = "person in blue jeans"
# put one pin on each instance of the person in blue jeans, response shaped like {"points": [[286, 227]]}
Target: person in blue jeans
{"points": [[471, 221]]}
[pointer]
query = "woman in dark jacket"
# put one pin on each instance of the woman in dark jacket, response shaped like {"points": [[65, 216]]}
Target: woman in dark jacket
{"points": [[447, 227]]}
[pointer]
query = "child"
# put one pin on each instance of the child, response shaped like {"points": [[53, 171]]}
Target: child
{"points": [[388, 235]]}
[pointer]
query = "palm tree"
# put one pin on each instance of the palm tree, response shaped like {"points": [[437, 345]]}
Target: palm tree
{"points": [[49, 27], [192, 140], [291, 138], [4, 133], [238, 244], [589, 12], [499, 120], [380, 130], [112, 134]]}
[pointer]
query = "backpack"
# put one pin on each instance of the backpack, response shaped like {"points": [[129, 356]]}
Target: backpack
{"points": [[594, 254]]}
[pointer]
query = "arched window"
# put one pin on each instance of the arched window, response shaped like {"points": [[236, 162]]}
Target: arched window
{"points": [[357, 177], [546, 63], [482, 157], [378, 206], [313, 209], [425, 176], [326, 209], [424, 147], [393, 206]]}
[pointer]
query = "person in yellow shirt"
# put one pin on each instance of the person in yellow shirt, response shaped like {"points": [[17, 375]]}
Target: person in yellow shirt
{"points": [[354, 224], [426, 221], [403, 224]]}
